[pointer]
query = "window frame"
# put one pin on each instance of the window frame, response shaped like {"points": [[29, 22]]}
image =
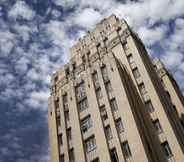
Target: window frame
{"points": [[87, 123], [90, 144]]}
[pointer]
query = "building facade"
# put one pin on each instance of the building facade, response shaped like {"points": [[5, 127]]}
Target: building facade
{"points": [[112, 103]]}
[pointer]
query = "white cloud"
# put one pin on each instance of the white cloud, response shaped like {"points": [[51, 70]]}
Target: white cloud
{"points": [[88, 18], [151, 36], [66, 4], [57, 31], [23, 31], [21, 9], [56, 13], [172, 59], [7, 42], [38, 99], [22, 65]]}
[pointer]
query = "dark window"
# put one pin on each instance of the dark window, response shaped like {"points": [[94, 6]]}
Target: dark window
{"points": [[113, 104], [83, 59], [118, 29], [125, 46], [108, 132], [86, 124], [162, 83], [65, 102], [67, 72], [60, 140], [71, 155], [157, 126], [182, 122], [103, 113], [90, 144], [142, 89], [80, 91], [119, 125], [155, 67], [126, 149], [67, 117], [114, 156], [168, 94], [95, 80], [130, 59], [108, 87], [167, 150], [62, 158], [136, 73], [82, 105], [104, 74], [56, 78], [57, 104], [69, 133], [175, 110], [98, 93], [58, 121], [74, 66], [149, 106], [96, 160]]}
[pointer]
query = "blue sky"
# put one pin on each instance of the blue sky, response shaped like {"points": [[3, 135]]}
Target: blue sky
{"points": [[35, 37]]}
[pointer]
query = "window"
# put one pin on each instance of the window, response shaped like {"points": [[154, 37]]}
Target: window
{"points": [[126, 149], [98, 93], [65, 102], [155, 67], [58, 121], [61, 158], [142, 89], [157, 126], [136, 73], [113, 104], [56, 78], [168, 94], [104, 73], [83, 59], [82, 105], [71, 155], [57, 107], [67, 117], [118, 29], [149, 106], [96, 160], [98, 45], [130, 59], [67, 72], [80, 91], [90, 144], [60, 140], [108, 132], [95, 80], [103, 112], [119, 125], [74, 66], [125, 46], [86, 124], [57, 104], [174, 108], [69, 133], [108, 87], [114, 156], [167, 150]]}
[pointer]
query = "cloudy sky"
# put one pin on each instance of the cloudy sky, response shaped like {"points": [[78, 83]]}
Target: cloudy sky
{"points": [[35, 36]]}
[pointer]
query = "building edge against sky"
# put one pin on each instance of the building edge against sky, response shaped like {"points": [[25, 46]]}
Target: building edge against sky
{"points": [[113, 103]]}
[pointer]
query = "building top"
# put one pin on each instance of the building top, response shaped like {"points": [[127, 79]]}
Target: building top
{"points": [[102, 30], [101, 39]]}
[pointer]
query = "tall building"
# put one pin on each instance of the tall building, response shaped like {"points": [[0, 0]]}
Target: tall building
{"points": [[112, 103]]}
